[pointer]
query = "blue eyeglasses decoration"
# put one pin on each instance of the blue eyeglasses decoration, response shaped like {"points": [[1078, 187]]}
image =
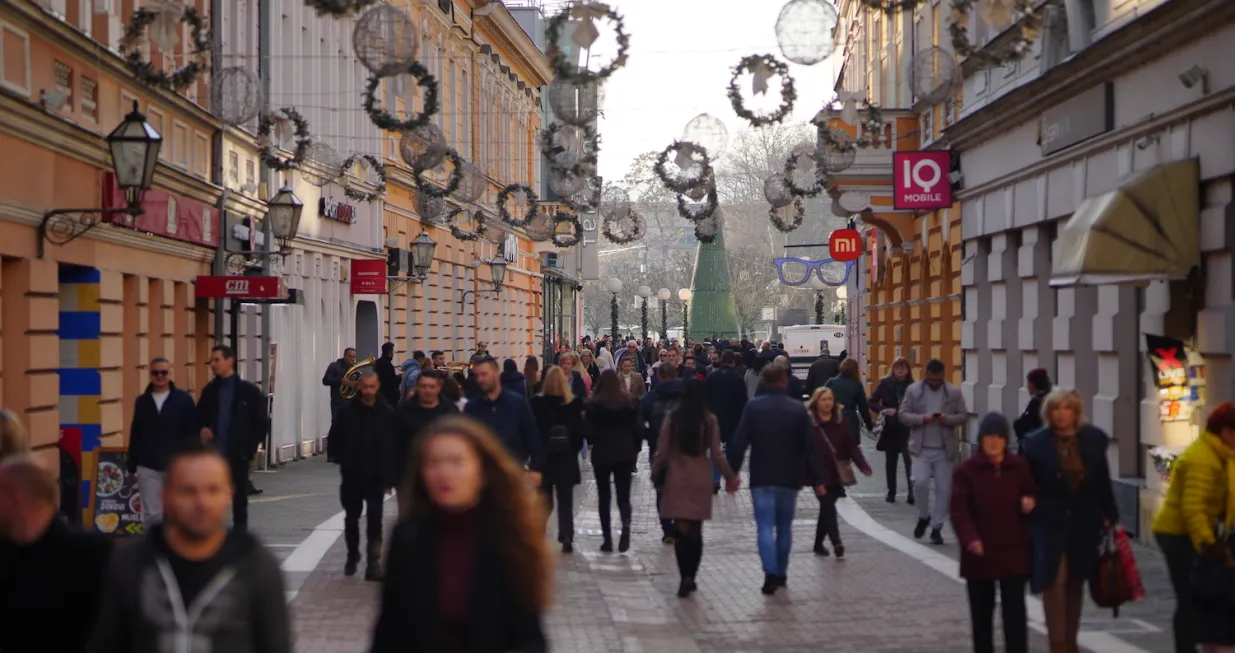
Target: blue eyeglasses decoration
{"points": [[796, 271]]}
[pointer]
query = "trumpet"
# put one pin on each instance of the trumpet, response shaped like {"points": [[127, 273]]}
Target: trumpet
{"points": [[347, 389]]}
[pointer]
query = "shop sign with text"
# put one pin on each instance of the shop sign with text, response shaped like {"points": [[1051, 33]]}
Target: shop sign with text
{"points": [[368, 277], [920, 180], [332, 209], [211, 287]]}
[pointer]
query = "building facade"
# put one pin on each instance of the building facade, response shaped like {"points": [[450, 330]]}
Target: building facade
{"points": [[1097, 210]]}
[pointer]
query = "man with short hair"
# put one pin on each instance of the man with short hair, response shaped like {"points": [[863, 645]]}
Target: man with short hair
{"points": [[48, 567], [189, 584], [632, 351], [233, 416], [413, 415], [438, 360], [726, 392], [821, 371], [653, 409], [933, 409], [362, 444], [390, 379], [165, 419], [409, 372], [632, 382], [508, 414], [780, 434], [336, 379]]}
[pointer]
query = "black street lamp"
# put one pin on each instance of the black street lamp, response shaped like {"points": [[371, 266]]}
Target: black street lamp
{"points": [[685, 295], [283, 211], [646, 293], [614, 286], [134, 146], [664, 294], [497, 276]]}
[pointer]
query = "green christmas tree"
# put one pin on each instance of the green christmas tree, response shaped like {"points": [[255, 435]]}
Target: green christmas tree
{"points": [[711, 304]]}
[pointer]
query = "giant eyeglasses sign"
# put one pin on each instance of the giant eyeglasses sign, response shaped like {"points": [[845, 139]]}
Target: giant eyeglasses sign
{"points": [[920, 180]]}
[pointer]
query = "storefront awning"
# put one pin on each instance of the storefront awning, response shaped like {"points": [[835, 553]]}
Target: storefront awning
{"points": [[1148, 229]]}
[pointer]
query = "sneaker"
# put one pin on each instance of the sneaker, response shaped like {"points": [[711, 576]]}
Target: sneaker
{"points": [[920, 529], [891, 498], [349, 567], [770, 585], [840, 551], [821, 550], [936, 536], [607, 546]]}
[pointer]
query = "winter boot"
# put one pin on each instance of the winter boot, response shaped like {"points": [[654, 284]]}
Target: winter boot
{"points": [[373, 563], [353, 561], [624, 539]]}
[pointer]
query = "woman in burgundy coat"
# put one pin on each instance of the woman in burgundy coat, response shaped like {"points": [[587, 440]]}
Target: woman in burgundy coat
{"points": [[834, 444], [992, 494]]}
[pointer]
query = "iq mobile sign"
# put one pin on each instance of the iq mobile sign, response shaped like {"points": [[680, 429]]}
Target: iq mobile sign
{"points": [[921, 179]]}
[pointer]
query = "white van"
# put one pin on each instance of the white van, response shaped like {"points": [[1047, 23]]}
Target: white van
{"points": [[806, 342]]}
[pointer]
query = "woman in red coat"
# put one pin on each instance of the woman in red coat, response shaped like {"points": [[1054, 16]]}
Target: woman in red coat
{"points": [[992, 493], [835, 446]]}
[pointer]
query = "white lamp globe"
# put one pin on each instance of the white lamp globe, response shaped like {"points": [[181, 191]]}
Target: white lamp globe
{"points": [[842, 292], [614, 285], [664, 294], [645, 292], [684, 294]]}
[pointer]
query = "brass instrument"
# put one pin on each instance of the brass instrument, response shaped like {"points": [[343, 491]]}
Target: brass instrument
{"points": [[347, 389]]}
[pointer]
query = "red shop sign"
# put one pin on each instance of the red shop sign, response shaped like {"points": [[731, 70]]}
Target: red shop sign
{"points": [[920, 180], [168, 215], [237, 287], [368, 277], [845, 245]]}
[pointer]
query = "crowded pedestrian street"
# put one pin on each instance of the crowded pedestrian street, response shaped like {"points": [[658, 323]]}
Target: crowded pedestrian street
{"points": [[889, 594]]}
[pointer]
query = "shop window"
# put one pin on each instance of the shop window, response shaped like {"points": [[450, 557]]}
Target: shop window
{"points": [[64, 82], [90, 98], [14, 59]]}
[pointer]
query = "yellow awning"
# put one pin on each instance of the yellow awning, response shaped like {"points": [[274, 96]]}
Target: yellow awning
{"points": [[1148, 229]]}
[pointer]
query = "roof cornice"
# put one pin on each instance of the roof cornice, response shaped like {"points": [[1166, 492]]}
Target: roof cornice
{"points": [[518, 43]]}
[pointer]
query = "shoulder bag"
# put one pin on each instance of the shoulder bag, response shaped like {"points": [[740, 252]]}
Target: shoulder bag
{"points": [[844, 468], [1110, 586]]}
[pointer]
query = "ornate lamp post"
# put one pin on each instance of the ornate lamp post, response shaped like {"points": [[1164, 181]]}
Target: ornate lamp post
{"points": [[685, 295], [663, 295], [422, 257], [819, 287], [497, 276], [614, 286], [646, 293], [842, 293], [283, 211]]}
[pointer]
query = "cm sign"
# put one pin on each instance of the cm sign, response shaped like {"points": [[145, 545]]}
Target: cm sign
{"points": [[920, 180]]}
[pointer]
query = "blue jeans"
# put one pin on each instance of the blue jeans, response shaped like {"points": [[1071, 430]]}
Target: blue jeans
{"points": [[774, 509]]}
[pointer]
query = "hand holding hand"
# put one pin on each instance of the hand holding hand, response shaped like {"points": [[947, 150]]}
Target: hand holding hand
{"points": [[927, 419], [821, 490], [534, 479], [207, 434], [1027, 504], [732, 486], [975, 547], [889, 411], [867, 472]]}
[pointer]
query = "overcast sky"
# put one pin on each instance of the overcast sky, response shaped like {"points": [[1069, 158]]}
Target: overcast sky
{"points": [[681, 55]]}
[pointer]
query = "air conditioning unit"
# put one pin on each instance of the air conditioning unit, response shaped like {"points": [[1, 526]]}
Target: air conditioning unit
{"points": [[551, 261]]}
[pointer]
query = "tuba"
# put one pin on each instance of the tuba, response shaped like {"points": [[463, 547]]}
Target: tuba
{"points": [[347, 389]]}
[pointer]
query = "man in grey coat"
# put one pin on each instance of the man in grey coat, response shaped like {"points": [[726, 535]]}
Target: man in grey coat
{"points": [[933, 409]]}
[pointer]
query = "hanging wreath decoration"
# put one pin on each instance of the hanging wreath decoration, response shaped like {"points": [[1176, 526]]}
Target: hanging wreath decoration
{"points": [[338, 8], [585, 13], [703, 236], [388, 121], [587, 199], [786, 224], [452, 182], [478, 219], [763, 66], [184, 76], [585, 166], [791, 166], [697, 212], [268, 151], [870, 123], [698, 156], [569, 238], [533, 203], [624, 237], [378, 167], [1025, 33]]}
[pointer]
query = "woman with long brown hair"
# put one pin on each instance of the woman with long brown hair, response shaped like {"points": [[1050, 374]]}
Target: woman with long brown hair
{"points": [[13, 438], [611, 426], [559, 418], [468, 569], [531, 374]]}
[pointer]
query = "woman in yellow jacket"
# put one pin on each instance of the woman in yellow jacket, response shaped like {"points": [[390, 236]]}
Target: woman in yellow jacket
{"points": [[1201, 496]]}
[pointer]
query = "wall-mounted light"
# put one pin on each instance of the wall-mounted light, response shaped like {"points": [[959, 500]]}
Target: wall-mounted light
{"points": [[1148, 141], [1196, 76]]}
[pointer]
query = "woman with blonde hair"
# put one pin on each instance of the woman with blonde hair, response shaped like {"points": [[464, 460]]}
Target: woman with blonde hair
{"points": [[559, 418], [13, 438], [468, 569], [1075, 507], [835, 446], [588, 369]]}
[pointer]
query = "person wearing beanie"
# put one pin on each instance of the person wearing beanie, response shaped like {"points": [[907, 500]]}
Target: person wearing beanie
{"points": [[992, 496]]}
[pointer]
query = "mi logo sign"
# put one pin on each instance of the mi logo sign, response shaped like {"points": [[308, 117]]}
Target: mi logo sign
{"points": [[845, 245]]}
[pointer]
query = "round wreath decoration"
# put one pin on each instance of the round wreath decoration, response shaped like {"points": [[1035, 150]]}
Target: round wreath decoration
{"points": [[698, 214], [1026, 31], [533, 203], [585, 166], [452, 183], [182, 77], [561, 62], [378, 167], [698, 155], [704, 237], [791, 166], [570, 238], [788, 93], [388, 121], [478, 218], [338, 8], [587, 199], [790, 224], [638, 227], [268, 151]]}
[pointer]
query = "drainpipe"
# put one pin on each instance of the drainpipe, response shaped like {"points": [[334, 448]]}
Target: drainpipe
{"points": [[264, 63], [216, 175]]}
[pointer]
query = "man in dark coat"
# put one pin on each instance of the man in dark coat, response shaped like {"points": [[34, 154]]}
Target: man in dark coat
{"points": [[336, 377], [233, 415], [164, 420], [416, 413], [726, 392], [653, 409], [508, 415], [387, 375], [820, 371], [362, 444]]}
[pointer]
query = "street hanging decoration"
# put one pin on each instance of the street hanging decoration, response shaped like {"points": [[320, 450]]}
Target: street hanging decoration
{"points": [[794, 167], [575, 101], [934, 75], [526, 196], [868, 123], [567, 230], [322, 164], [423, 148], [762, 67], [624, 230], [385, 40], [429, 207], [269, 138], [571, 151], [1005, 49], [787, 219], [588, 198], [701, 209], [478, 225], [694, 166], [388, 121], [235, 95], [540, 227], [804, 31], [708, 132], [584, 16], [835, 150], [892, 6], [472, 185], [163, 21], [776, 190], [338, 8], [361, 164], [707, 230], [615, 203], [424, 186]]}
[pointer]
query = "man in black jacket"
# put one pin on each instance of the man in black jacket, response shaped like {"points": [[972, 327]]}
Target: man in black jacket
{"points": [[386, 374], [189, 584], [233, 414], [413, 415], [336, 377], [47, 566], [726, 392], [509, 415], [821, 371], [779, 432], [165, 419], [362, 443]]}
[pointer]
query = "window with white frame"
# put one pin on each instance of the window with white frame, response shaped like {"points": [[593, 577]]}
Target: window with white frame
{"points": [[64, 82], [90, 98]]}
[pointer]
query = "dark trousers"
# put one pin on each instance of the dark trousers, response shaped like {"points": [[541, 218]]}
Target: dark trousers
{"points": [[1180, 559], [565, 493], [890, 459], [688, 547], [240, 497], [621, 473], [356, 497], [666, 525], [982, 614], [827, 525]]}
